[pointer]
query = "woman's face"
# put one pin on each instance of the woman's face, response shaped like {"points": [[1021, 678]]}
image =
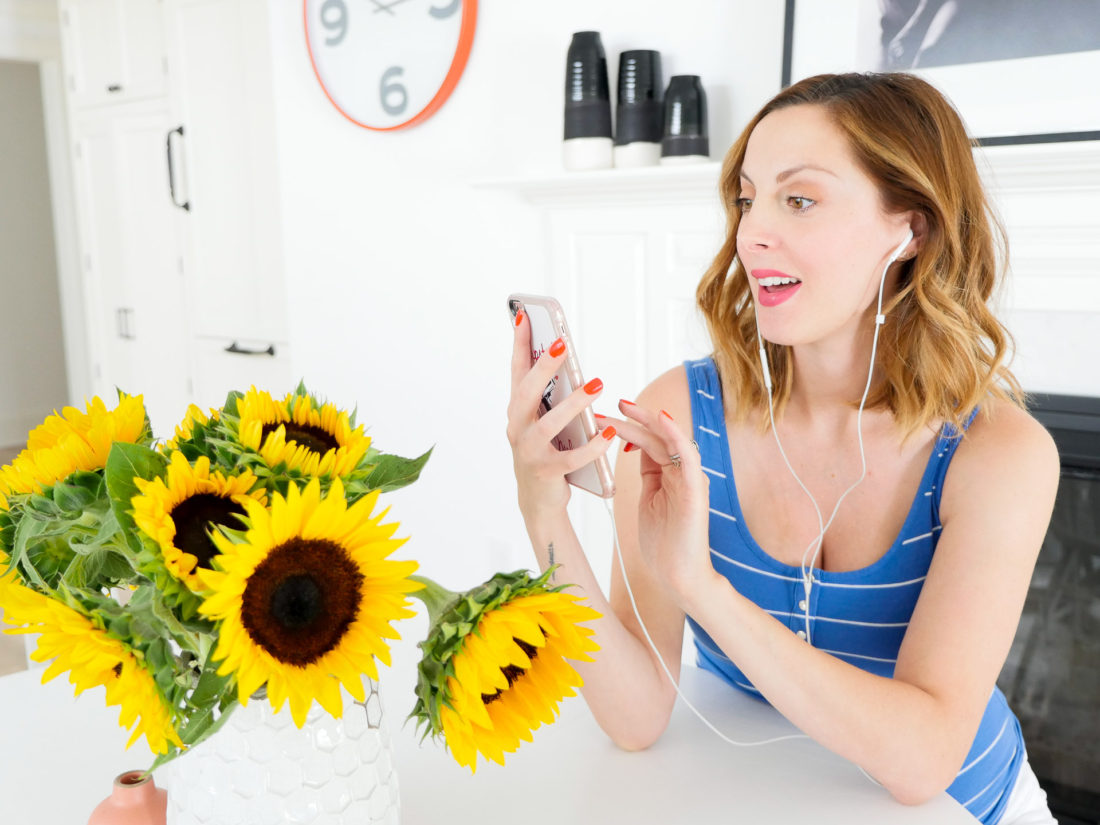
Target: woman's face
{"points": [[813, 218]]}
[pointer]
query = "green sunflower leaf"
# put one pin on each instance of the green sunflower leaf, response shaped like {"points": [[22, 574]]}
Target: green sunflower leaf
{"points": [[72, 498], [126, 462], [97, 567], [210, 687], [45, 565], [392, 472], [230, 405]]}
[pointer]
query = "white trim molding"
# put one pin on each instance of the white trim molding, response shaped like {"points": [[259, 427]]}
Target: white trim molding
{"points": [[29, 30]]}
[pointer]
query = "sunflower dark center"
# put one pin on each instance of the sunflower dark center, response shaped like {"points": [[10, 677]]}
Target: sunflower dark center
{"points": [[512, 672], [301, 599], [296, 602], [193, 517], [306, 435]]}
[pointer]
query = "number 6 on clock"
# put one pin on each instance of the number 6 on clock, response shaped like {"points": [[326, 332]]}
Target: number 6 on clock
{"points": [[388, 64]]}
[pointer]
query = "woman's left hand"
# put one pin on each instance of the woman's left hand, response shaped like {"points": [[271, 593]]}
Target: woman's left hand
{"points": [[673, 520]]}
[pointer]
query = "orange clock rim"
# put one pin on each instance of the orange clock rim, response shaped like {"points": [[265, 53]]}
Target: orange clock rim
{"points": [[458, 64]]}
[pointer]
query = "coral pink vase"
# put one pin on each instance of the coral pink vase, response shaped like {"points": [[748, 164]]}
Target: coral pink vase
{"points": [[133, 801]]}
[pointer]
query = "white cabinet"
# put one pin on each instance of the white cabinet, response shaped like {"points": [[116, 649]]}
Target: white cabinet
{"points": [[113, 50], [129, 256], [220, 367], [177, 197], [221, 93]]}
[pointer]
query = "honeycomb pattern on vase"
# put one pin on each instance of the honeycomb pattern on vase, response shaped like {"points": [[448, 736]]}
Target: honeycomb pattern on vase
{"points": [[261, 770]]}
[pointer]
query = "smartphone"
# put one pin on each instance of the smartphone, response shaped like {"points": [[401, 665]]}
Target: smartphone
{"points": [[547, 325]]}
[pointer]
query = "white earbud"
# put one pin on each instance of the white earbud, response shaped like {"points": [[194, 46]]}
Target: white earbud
{"points": [[880, 319], [901, 246]]}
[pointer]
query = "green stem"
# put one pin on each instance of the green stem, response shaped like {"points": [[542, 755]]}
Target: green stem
{"points": [[437, 598]]}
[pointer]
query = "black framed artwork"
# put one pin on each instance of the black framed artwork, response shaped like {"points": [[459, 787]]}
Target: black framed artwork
{"points": [[1018, 71]]}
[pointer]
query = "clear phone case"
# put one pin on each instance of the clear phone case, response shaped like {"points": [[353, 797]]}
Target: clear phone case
{"points": [[547, 325]]}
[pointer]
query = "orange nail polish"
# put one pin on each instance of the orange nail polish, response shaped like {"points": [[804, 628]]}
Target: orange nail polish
{"points": [[519, 317], [628, 403], [666, 415], [608, 433], [593, 386], [630, 446], [599, 416], [557, 348]]}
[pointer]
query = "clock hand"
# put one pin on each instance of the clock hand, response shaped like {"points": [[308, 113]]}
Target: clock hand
{"points": [[386, 7]]}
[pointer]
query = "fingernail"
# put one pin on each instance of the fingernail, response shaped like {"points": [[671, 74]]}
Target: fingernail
{"points": [[593, 386], [557, 348], [608, 433], [630, 446], [599, 416], [666, 415], [519, 317], [628, 403]]}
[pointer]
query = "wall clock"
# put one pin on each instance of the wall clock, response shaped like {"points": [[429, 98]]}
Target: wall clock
{"points": [[388, 64]]}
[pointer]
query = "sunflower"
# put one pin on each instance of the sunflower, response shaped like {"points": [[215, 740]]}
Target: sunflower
{"points": [[178, 514], [70, 441], [305, 602], [300, 433], [93, 658], [494, 666], [186, 428]]}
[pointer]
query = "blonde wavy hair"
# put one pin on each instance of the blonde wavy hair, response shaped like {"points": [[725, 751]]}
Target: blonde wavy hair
{"points": [[941, 351]]}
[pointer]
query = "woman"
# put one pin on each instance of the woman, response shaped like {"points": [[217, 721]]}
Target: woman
{"points": [[840, 186]]}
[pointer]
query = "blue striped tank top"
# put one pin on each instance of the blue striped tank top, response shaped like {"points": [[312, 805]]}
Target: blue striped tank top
{"points": [[859, 616]]}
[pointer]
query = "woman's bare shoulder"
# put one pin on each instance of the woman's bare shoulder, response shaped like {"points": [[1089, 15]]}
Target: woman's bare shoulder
{"points": [[1005, 446], [669, 392], [1002, 426]]}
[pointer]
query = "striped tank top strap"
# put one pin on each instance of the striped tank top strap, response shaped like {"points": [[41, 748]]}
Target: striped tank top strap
{"points": [[942, 454], [707, 416]]}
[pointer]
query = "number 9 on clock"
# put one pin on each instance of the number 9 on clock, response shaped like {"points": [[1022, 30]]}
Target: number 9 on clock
{"points": [[389, 64]]}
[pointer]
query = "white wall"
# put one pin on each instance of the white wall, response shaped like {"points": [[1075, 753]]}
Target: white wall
{"points": [[398, 267], [32, 369]]}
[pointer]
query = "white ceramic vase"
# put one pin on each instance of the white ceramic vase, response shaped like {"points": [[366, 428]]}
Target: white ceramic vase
{"points": [[260, 769]]}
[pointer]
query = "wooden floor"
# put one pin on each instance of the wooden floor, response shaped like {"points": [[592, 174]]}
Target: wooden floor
{"points": [[12, 657]]}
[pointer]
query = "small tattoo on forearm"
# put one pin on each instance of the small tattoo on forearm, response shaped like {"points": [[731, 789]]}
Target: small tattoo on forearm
{"points": [[553, 576]]}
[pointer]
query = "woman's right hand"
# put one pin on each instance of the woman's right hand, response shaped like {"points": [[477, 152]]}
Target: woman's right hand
{"points": [[539, 466]]}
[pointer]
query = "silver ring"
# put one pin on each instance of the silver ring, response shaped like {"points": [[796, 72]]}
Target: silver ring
{"points": [[695, 444], [675, 460]]}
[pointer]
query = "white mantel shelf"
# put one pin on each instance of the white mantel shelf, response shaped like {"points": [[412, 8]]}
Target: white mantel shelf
{"points": [[696, 183], [1043, 167]]}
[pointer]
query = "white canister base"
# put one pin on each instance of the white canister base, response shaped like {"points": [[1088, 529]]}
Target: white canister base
{"points": [[683, 160], [579, 154], [639, 153]]}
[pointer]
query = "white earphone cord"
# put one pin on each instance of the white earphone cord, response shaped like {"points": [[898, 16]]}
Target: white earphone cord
{"points": [[807, 574]]}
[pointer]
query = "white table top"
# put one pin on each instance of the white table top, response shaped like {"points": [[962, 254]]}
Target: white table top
{"points": [[58, 757]]}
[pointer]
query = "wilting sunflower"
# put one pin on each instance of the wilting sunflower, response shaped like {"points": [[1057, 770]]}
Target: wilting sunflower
{"points": [[300, 433], [70, 441], [305, 601], [178, 513], [494, 666], [93, 658]]}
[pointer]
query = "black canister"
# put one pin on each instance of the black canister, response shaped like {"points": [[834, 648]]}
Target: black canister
{"points": [[587, 104], [638, 120], [685, 134]]}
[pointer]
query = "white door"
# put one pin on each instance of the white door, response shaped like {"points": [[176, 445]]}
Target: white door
{"points": [[220, 79], [132, 259]]}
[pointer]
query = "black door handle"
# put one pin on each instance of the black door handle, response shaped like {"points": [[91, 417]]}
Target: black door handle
{"points": [[239, 350], [186, 205]]}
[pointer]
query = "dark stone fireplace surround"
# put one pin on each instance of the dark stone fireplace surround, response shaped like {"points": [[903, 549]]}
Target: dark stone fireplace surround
{"points": [[1052, 674]]}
